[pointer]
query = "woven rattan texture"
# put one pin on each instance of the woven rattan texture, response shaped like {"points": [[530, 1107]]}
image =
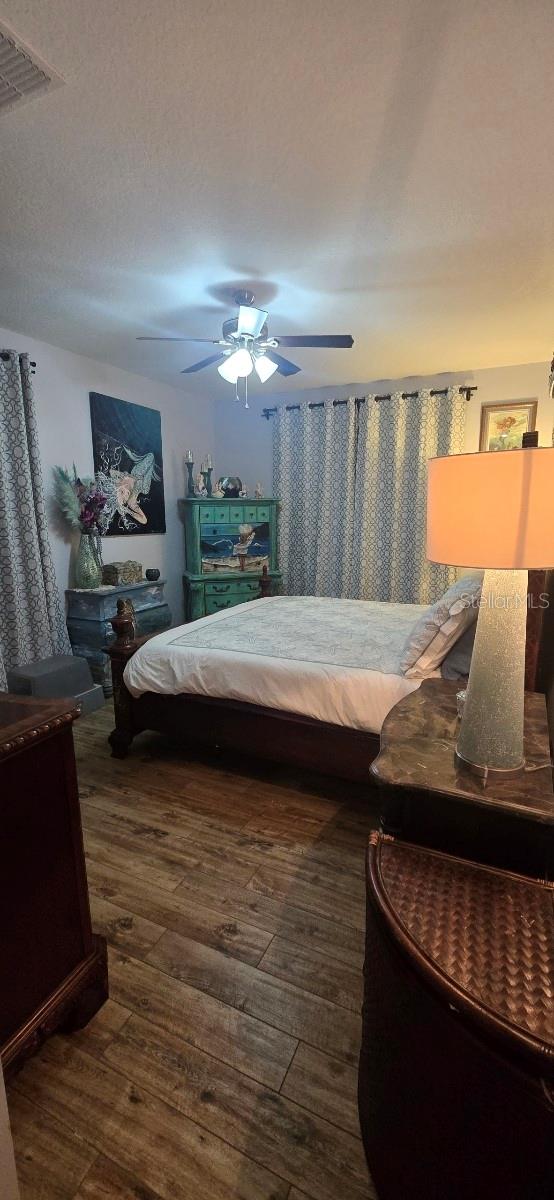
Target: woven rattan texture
{"points": [[491, 933]]}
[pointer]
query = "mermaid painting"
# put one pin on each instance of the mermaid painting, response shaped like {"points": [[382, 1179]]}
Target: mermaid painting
{"points": [[128, 465]]}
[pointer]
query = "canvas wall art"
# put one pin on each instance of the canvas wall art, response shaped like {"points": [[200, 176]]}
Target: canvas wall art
{"points": [[503, 425], [127, 448]]}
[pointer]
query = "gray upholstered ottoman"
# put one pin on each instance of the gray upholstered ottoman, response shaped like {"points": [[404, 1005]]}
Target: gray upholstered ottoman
{"points": [[61, 675]]}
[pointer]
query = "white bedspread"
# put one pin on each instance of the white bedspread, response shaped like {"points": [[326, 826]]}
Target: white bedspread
{"points": [[333, 660]]}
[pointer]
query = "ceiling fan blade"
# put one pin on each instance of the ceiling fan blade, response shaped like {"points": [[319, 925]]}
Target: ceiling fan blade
{"points": [[251, 320], [284, 365], [210, 341], [204, 362], [335, 341]]}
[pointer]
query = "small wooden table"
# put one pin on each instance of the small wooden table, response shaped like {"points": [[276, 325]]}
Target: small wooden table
{"points": [[427, 797], [53, 968]]}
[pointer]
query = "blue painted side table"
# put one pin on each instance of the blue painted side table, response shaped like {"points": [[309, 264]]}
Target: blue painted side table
{"points": [[89, 614]]}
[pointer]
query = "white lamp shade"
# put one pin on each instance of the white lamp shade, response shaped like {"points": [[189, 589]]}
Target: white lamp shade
{"points": [[264, 368], [494, 509], [251, 320], [236, 366]]}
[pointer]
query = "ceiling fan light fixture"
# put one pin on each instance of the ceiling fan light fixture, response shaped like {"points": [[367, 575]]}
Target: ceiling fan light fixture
{"points": [[264, 368], [251, 321], [237, 366]]}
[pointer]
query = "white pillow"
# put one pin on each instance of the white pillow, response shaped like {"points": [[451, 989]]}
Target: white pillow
{"points": [[440, 626]]}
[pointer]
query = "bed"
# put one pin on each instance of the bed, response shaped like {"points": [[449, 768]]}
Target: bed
{"points": [[302, 680]]}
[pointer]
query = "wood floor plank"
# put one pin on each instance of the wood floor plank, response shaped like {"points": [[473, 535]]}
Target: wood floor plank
{"points": [[325, 1086], [197, 796], [305, 800], [179, 853], [278, 915], [148, 1137], [336, 879], [104, 1025], [316, 846], [314, 972], [146, 864], [289, 887], [326, 1162], [202, 834], [107, 1181], [346, 829], [51, 1159], [164, 809], [179, 912], [171, 805], [281, 1005], [235, 1037], [123, 928]]}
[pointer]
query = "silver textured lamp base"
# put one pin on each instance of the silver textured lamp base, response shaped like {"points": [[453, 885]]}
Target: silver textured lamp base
{"points": [[491, 733]]}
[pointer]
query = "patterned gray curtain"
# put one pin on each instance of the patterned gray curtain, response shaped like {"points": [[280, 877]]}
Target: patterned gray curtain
{"points": [[32, 625], [352, 480], [396, 439], [313, 476]]}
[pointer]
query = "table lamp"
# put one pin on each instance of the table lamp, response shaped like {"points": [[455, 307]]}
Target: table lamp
{"points": [[494, 510]]}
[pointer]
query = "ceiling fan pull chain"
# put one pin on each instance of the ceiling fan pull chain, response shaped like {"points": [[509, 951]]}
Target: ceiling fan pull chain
{"points": [[236, 391], [246, 404]]}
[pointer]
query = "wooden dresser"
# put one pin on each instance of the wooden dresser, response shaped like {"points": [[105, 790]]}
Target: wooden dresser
{"points": [[216, 533], [53, 968]]}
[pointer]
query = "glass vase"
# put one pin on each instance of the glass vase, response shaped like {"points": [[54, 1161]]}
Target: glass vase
{"points": [[88, 565]]}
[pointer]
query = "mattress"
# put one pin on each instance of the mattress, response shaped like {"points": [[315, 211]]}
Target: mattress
{"points": [[332, 660]]}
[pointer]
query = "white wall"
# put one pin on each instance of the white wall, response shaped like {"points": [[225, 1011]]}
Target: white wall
{"points": [[61, 386], [244, 438]]}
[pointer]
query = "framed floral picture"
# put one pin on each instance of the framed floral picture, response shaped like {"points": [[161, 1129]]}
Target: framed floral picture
{"points": [[502, 425]]}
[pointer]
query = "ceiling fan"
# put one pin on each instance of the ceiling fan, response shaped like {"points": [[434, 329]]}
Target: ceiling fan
{"points": [[246, 345]]}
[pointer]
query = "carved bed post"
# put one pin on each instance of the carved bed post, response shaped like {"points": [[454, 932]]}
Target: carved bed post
{"points": [[265, 584], [120, 652]]}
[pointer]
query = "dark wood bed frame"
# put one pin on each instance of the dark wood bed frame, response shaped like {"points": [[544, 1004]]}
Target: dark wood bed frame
{"points": [[282, 736]]}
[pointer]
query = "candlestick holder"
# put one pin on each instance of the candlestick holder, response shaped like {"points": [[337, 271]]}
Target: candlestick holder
{"points": [[190, 480], [208, 479]]}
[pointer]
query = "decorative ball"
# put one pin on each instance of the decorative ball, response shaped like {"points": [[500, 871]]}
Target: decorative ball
{"points": [[152, 574], [230, 485]]}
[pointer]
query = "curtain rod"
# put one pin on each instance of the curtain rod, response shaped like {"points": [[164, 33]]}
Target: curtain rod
{"points": [[268, 412], [6, 358]]}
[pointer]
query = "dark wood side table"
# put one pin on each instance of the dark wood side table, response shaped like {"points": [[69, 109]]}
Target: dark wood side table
{"points": [[429, 799], [53, 968]]}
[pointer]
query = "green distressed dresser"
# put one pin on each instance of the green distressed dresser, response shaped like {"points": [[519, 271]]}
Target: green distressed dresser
{"points": [[227, 544]]}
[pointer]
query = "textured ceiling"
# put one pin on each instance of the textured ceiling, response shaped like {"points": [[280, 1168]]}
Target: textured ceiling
{"points": [[379, 167]]}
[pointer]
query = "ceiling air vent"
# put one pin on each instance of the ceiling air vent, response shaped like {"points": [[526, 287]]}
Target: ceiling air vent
{"points": [[23, 75]]}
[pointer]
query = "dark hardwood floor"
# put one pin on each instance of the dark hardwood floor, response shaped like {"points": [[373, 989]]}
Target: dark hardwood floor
{"points": [[224, 1065]]}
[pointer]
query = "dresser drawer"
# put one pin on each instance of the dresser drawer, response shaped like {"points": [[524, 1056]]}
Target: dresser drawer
{"points": [[206, 514], [242, 587], [215, 603], [236, 513], [256, 512], [250, 512]]}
